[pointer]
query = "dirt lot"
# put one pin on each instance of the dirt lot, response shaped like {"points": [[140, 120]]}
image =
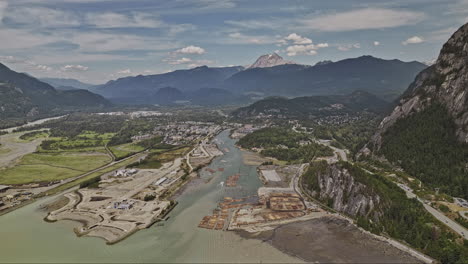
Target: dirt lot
{"points": [[331, 240]]}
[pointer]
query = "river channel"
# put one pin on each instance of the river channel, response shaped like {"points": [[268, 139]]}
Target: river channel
{"points": [[25, 237]]}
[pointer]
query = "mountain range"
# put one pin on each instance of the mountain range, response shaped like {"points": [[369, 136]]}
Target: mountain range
{"points": [[385, 78], [139, 88], [66, 83], [25, 97], [427, 132]]}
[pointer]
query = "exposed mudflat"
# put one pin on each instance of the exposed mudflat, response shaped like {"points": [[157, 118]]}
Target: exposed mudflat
{"points": [[331, 240], [56, 204]]}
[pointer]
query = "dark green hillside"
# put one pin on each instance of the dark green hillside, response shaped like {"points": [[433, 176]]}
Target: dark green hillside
{"points": [[314, 106], [24, 97], [284, 144], [425, 145], [395, 215]]}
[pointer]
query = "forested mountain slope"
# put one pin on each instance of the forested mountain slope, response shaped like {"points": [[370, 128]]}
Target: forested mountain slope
{"points": [[25, 97], [427, 133]]}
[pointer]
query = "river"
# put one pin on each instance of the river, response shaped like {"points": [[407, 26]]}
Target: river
{"points": [[32, 123], [25, 237]]}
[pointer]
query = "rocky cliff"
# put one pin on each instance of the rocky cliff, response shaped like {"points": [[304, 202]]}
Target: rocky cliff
{"points": [[445, 83], [337, 186]]}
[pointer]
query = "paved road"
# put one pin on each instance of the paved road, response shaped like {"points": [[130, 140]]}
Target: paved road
{"points": [[447, 221], [441, 217]]}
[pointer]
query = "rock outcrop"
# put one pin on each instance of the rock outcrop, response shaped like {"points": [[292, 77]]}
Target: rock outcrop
{"points": [[337, 187], [445, 83]]}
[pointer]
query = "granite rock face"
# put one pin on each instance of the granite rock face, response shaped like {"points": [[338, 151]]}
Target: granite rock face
{"points": [[347, 195], [445, 83]]}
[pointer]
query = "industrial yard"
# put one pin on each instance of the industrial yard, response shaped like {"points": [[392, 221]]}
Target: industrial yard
{"points": [[275, 204], [123, 202]]}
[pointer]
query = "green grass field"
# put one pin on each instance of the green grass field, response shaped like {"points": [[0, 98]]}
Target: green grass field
{"points": [[23, 174], [51, 167], [90, 176], [86, 141], [124, 150]]}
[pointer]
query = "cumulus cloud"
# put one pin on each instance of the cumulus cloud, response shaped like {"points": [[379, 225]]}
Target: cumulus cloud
{"points": [[297, 39], [310, 49], [346, 47], [366, 18], [413, 40], [74, 68], [191, 50], [376, 43]]}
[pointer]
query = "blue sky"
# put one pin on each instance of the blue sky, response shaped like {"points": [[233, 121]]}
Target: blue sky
{"points": [[96, 41]]}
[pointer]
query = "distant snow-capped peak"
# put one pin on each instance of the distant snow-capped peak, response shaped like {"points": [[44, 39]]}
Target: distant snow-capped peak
{"points": [[269, 60]]}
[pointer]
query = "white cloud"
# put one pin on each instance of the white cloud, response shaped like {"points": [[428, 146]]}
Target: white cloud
{"points": [[191, 50], [43, 67], [376, 43], [413, 40], [26, 64], [116, 20], [347, 47], [297, 39], [310, 49], [74, 68], [239, 38], [367, 18]]}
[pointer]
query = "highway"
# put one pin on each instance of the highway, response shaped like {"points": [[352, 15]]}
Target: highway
{"points": [[438, 215]]}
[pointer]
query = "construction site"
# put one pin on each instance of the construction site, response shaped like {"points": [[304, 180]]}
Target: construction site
{"points": [[122, 203], [270, 208]]}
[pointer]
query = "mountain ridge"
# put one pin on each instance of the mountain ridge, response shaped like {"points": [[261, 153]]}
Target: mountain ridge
{"points": [[23, 96]]}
